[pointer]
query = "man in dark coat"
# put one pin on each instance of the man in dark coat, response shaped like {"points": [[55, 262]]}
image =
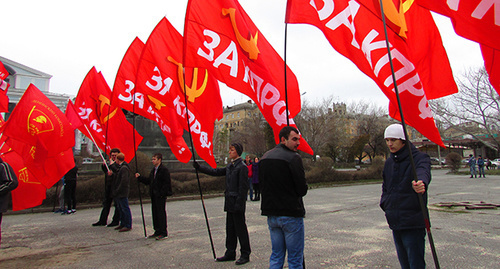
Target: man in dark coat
{"points": [[160, 187], [283, 184], [400, 200], [234, 204], [120, 192], [8, 182], [108, 185]]}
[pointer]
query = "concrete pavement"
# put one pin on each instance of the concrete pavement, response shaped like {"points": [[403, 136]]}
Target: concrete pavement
{"points": [[345, 228]]}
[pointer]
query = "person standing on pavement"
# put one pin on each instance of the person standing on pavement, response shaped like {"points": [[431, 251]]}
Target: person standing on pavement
{"points": [[160, 187], [8, 182], [108, 186], [70, 190], [283, 184], [472, 166], [121, 189], [255, 179], [480, 166], [400, 200], [234, 204]]}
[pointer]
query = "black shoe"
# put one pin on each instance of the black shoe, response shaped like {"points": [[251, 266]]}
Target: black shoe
{"points": [[225, 259], [99, 224], [242, 260], [161, 237], [155, 235], [113, 224]]}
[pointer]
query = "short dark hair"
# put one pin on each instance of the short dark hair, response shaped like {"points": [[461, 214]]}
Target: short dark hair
{"points": [[114, 150], [158, 156], [285, 132], [120, 157], [238, 147]]}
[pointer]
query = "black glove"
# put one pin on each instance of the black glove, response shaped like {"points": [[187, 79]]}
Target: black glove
{"points": [[196, 165]]}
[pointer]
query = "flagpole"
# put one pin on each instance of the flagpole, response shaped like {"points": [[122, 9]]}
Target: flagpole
{"points": [[98, 149], [194, 160], [286, 83], [425, 213]]}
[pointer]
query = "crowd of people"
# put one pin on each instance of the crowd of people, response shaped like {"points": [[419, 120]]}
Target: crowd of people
{"points": [[278, 181]]}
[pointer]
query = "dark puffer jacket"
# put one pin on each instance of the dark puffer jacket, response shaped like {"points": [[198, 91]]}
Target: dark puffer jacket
{"points": [[399, 201], [236, 184]]}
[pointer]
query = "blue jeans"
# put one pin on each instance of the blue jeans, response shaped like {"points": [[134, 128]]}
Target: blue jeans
{"points": [[410, 246], [125, 214], [287, 235], [473, 170]]}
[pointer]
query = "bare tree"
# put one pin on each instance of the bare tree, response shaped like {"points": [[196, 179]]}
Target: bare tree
{"points": [[253, 134], [475, 110]]}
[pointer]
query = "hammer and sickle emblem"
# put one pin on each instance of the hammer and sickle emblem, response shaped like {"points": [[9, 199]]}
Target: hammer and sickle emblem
{"points": [[250, 46], [397, 17], [192, 92], [158, 104], [105, 101]]}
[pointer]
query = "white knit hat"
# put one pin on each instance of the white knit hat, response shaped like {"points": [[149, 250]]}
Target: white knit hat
{"points": [[394, 131]]}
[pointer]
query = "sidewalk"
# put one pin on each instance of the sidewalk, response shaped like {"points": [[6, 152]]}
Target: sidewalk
{"points": [[345, 228]]}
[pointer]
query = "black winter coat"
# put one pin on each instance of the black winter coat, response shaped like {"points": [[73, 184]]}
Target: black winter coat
{"points": [[121, 184], [159, 186], [399, 201], [236, 184]]}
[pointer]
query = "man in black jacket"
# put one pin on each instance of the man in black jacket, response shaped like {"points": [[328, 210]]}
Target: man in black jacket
{"points": [[120, 192], [160, 187], [235, 197], [8, 182], [108, 185], [283, 184], [400, 200]]}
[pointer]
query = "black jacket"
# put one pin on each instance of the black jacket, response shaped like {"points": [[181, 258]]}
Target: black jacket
{"points": [[8, 182], [159, 186], [121, 184], [236, 184], [399, 201], [282, 183]]}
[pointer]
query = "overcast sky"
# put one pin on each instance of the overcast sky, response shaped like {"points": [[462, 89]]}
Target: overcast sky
{"points": [[66, 38]]}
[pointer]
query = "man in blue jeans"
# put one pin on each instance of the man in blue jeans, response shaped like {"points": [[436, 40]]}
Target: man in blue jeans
{"points": [[283, 184], [400, 200]]}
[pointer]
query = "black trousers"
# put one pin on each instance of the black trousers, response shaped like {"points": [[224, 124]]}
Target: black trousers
{"points": [[159, 212], [106, 207], [236, 229], [70, 194]]}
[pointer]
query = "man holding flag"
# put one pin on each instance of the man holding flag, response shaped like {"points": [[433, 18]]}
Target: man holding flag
{"points": [[8, 182]]}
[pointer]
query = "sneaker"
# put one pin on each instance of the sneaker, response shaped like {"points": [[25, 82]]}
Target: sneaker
{"points": [[67, 212], [161, 237], [153, 236], [59, 211], [73, 210], [125, 229]]}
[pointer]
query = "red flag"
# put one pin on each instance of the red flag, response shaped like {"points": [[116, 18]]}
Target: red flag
{"points": [[37, 121], [4, 86], [30, 192], [479, 21], [133, 97], [221, 37], [356, 32], [203, 96], [72, 115], [105, 121]]}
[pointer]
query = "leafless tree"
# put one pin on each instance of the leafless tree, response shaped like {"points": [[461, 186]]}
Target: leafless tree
{"points": [[475, 110]]}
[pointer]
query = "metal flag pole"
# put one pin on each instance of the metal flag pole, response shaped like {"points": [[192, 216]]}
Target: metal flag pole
{"points": [[425, 213]]}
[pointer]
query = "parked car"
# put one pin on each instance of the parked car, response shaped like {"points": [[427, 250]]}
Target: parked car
{"points": [[495, 163], [436, 161], [87, 160]]}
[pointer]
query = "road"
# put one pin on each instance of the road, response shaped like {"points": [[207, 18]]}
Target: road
{"points": [[345, 228]]}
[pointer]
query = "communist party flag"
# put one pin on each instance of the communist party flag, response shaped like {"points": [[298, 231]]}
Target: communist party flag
{"points": [[357, 32], [4, 86], [40, 133], [30, 192], [221, 37], [106, 122], [161, 60], [129, 94], [479, 21], [72, 115]]}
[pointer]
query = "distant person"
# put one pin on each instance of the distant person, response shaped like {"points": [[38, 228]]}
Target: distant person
{"points": [[255, 179], [108, 186], [8, 182], [235, 197], [121, 189], [62, 206], [248, 163], [400, 200], [472, 165], [160, 187], [70, 190], [480, 166], [283, 184]]}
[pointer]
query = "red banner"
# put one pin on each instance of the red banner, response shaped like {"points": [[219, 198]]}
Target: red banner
{"points": [[357, 32], [479, 21], [106, 122], [4, 86], [221, 37]]}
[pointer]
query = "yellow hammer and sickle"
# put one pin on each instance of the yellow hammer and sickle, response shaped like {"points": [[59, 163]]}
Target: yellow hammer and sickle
{"points": [[192, 92], [397, 17], [250, 46], [105, 101], [158, 104]]}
